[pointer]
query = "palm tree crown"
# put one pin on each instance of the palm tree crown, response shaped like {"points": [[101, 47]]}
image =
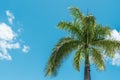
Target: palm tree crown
{"points": [[87, 38]]}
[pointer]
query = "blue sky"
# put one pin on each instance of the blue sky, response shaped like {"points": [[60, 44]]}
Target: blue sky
{"points": [[32, 24]]}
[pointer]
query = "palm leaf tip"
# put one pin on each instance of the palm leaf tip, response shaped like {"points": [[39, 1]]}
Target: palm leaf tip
{"points": [[75, 12], [64, 25], [51, 68], [98, 59], [77, 59], [49, 71], [76, 64]]}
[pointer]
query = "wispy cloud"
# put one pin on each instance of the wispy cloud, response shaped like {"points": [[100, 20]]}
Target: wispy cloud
{"points": [[26, 49], [10, 16], [9, 39]]}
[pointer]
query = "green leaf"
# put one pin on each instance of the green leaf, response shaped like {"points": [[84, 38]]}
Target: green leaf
{"points": [[98, 59], [75, 12], [72, 29], [60, 52], [77, 58], [109, 46]]}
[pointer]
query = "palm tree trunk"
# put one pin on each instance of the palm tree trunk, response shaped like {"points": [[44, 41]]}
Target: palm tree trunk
{"points": [[87, 72], [87, 66]]}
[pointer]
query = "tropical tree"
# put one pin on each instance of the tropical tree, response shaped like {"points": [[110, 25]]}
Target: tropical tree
{"points": [[87, 39]]}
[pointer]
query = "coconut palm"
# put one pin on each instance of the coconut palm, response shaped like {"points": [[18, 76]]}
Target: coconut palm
{"points": [[87, 39]]}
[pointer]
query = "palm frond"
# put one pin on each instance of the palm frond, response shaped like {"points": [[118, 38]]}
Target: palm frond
{"points": [[98, 59], [108, 45], [101, 32], [77, 58], [88, 26], [60, 52], [68, 26], [75, 12], [88, 21]]}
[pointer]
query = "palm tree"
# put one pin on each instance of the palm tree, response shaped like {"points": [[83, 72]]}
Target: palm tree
{"points": [[87, 38]]}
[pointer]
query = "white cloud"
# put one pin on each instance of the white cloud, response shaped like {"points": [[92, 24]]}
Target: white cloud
{"points": [[26, 49], [6, 32], [116, 59], [7, 41], [10, 17], [5, 56], [115, 35]]}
